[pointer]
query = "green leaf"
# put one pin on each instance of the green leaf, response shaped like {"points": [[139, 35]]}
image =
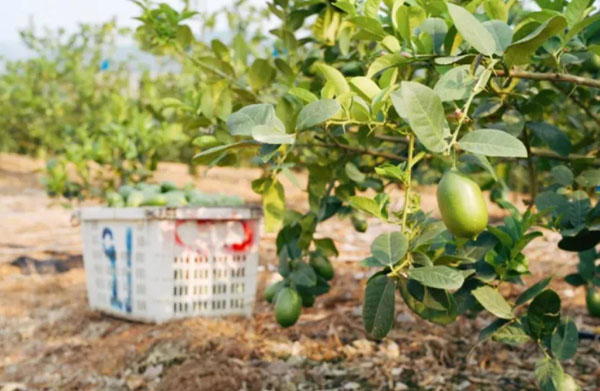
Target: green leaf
{"points": [[316, 113], [533, 291], [490, 329], [388, 170], [371, 25], [496, 9], [303, 94], [511, 335], [575, 279], [575, 11], [557, 140], [513, 121], [372, 8], [437, 29], [260, 74], [366, 205], [378, 306], [241, 122], [273, 205], [549, 375], [386, 61], [304, 275], [579, 27], [543, 314], [562, 175], [587, 264], [334, 76], [441, 277], [520, 52], [491, 142], [589, 178], [479, 160], [425, 115], [502, 33], [223, 148], [493, 301], [272, 134], [389, 248], [565, 340], [365, 86], [457, 83], [472, 30], [438, 316], [354, 173]]}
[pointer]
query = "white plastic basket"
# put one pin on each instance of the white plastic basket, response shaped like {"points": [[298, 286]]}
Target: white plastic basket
{"points": [[154, 264]]}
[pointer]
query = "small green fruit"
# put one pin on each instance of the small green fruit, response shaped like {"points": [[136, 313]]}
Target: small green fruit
{"points": [[287, 307], [462, 205], [322, 266], [135, 198], [114, 199], [592, 301], [154, 200]]}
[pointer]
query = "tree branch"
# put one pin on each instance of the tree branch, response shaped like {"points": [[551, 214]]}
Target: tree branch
{"points": [[545, 153], [364, 151], [553, 77]]}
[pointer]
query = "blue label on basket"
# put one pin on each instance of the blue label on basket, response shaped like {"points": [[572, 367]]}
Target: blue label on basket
{"points": [[108, 245]]}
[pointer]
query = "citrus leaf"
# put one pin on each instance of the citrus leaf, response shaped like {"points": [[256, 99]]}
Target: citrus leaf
{"points": [[457, 83], [491, 142], [242, 121], [557, 140], [479, 160], [520, 52], [389, 248], [472, 30], [533, 291], [378, 307], [366, 205], [565, 340], [441, 277], [493, 301], [316, 113], [425, 115], [549, 375], [334, 76]]}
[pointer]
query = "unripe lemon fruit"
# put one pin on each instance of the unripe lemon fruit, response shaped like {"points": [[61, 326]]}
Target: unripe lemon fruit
{"points": [[592, 301], [462, 205], [287, 307]]}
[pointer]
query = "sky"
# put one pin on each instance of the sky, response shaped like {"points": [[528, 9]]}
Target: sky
{"points": [[17, 14]]}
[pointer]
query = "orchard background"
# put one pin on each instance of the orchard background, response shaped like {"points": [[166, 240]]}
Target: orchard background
{"points": [[342, 119]]}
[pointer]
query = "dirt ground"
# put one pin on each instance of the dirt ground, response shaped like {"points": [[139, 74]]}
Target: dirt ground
{"points": [[50, 340]]}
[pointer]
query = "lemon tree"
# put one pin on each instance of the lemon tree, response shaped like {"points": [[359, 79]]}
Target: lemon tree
{"points": [[366, 94]]}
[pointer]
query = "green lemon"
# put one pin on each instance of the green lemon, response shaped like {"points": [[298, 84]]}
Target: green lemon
{"points": [[135, 198], [154, 200], [125, 190], [308, 300], [114, 199], [462, 205], [287, 307], [322, 266], [592, 300], [272, 290]]}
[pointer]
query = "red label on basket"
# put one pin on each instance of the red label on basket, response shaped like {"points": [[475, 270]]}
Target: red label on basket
{"points": [[208, 236]]}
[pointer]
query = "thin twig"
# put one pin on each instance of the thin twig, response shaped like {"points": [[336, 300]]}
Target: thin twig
{"points": [[553, 77], [364, 151]]}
